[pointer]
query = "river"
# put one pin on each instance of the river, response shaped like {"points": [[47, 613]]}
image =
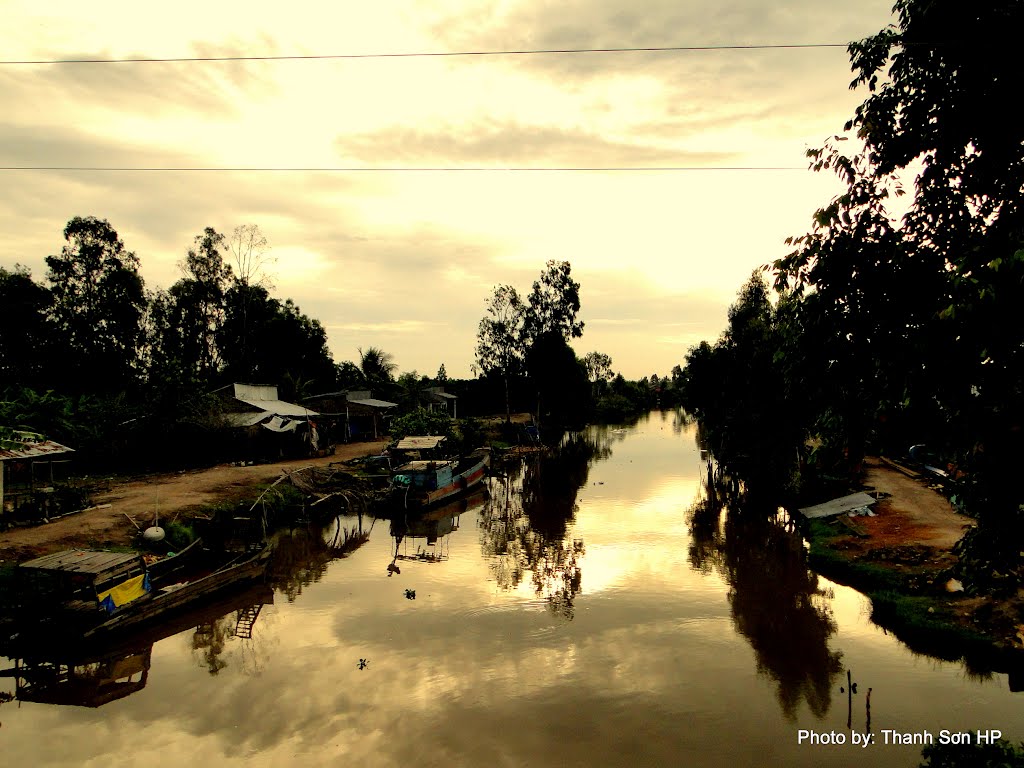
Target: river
{"points": [[586, 613]]}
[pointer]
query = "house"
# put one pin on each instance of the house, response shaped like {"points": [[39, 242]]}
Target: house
{"points": [[354, 414], [439, 400], [29, 468], [271, 427]]}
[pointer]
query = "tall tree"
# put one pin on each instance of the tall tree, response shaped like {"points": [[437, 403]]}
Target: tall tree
{"points": [[280, 340], [499, 338], [98, 304], [378, 368], [24, 354], [938, 84], [553, 304]]}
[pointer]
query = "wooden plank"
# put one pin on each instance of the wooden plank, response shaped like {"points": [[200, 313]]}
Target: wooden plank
{"points": [[82, 561]]}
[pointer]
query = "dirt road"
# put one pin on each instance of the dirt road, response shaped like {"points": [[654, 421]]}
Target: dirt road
{"points": [[140, 499], [914, 513]]}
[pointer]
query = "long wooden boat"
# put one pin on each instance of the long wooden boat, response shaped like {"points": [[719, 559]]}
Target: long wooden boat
{"points": [[424, 483], [100, 595]]}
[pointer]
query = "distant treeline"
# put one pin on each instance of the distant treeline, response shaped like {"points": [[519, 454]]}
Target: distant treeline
{"points": [[125, 375]]}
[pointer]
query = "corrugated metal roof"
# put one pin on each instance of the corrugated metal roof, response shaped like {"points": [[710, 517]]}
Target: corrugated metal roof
{"points": [[34, 449], [279, 407], [264, 397], [420, 443], [247, 418], [374, 403], [838, 506]]}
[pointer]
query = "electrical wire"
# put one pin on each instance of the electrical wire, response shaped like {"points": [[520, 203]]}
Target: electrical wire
{"points": [[426, 54]]}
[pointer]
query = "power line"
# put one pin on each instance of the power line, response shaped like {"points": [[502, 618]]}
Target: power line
{"points": [[429, 54], [395, 169]]}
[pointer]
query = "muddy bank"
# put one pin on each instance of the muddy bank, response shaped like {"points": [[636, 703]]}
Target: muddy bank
{"points": [[903, 559]]}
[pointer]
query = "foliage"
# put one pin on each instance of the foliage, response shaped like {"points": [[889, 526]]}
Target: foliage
{"points": [[738, 391], [262, 339], [98, 304], [378, 369], [499, 336], [553, 304], [563, 391], [1001, 754], [25, 355], [421, 422], [179, 535], [598, 366]]}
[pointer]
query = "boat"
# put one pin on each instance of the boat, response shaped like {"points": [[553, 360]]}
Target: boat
{"points": [[422, 483], [98, 595], [68, 671]]}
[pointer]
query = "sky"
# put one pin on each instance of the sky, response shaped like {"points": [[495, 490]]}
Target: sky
{"points": [[405, 260]]}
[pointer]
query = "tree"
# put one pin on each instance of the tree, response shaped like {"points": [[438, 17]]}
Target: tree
{"points": [[98, 304], [281, 340], [553, 304], [349, 376], [378, 368], [24, 354], [599, 367], [442, 375], [499, 338], [201, 295], [560, 380], [249, 252], [940, 297]]}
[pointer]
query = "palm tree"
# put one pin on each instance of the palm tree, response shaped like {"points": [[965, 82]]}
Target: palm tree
{"points": [[378, 367]]}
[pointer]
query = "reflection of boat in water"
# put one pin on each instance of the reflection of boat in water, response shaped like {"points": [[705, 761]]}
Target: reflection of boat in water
{"points": [[90, 681], [428, 531], [67, 671], [426, 482], [98, 596]]}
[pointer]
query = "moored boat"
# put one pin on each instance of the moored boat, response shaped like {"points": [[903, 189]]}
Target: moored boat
{"points": [[427, 482], [97, 595]]}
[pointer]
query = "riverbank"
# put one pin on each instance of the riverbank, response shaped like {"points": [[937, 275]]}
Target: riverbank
{"points": [[903, 560], [173, 495]]}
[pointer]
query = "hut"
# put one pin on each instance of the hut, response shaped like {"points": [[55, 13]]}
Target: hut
{"points": [[30, 469], [267, 427]]}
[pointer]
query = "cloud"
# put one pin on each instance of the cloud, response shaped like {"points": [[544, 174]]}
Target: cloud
{"points": [[512, 143], [144, 88]]}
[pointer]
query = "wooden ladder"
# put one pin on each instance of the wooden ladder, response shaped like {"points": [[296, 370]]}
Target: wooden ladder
{"points": [[246, 618]]}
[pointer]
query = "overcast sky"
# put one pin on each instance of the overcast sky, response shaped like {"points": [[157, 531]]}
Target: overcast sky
{"points": [[405, 261]]}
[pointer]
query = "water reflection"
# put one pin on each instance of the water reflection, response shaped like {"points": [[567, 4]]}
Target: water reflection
{"points": [[425, 536], [524, 524], [774, 598], [70, 673], [302, 553], [90, 681]]}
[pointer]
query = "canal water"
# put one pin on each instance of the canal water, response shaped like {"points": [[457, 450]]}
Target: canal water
{"points": [[594, 610]]}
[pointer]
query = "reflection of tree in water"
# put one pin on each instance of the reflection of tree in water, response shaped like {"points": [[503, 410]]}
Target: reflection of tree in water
{"points": [[209, 641], [301, 554], [525, 521], [776, 601]]}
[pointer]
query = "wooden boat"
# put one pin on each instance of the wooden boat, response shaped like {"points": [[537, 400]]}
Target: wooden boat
{"points": [[71, 671], [95, 595], [425, 482]]}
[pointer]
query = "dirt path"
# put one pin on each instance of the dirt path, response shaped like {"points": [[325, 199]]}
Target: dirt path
{"points": [[139, 499], [913, 515]]}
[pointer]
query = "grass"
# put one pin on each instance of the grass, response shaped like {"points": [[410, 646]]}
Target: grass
{"points": [[924, 622]]}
